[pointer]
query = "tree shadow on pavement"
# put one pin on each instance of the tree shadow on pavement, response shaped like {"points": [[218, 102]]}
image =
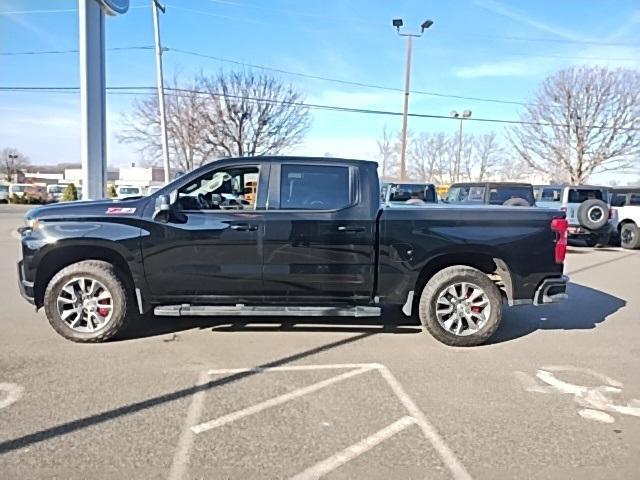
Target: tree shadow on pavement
{"points": [[583, 310], [391, 322]]}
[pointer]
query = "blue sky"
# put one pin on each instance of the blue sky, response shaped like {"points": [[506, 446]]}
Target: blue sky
{"points": [[496, 49]]}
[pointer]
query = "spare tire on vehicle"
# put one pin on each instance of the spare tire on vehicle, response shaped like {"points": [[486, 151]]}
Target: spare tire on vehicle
{"points": [[516, 202], [593, 214]]}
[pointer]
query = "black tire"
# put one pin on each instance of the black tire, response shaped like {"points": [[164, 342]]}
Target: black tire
{"points": [[593, 214], [438, 284], [516, 202], [104, 273], [629, 236]]}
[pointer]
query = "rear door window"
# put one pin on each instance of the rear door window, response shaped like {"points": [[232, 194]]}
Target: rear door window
{"points": [[634, 199], [314, 187], [579, 195]]}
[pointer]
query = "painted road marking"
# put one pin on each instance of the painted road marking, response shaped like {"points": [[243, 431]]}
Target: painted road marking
{"points": [[596, 400], [335, 461], [272, 402], [415, 416], [13, 394], [181, 455]]}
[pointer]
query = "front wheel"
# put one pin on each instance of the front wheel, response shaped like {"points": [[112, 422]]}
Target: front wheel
{"points": [[461, 306], [629, 236], [86, 302]]}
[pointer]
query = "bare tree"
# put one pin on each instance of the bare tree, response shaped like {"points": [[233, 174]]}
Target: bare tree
{"points": [[252, 114], [583, 120], [386, 152], [12, 161], [185, 128], [429, 157], [488, 155]]}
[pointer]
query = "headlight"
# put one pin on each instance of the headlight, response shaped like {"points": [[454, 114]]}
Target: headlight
{"points": [[32, 223]]}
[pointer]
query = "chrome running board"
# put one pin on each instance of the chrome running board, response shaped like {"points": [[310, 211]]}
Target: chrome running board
{"points": [[187, 310]]}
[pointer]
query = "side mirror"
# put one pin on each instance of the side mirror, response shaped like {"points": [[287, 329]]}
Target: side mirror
{"points": [[163, 208]]}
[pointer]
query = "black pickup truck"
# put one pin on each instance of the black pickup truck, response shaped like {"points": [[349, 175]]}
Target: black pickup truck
{"points": [[286, 236]]}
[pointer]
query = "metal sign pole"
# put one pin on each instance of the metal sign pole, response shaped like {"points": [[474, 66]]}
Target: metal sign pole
{"points": [[92, 99]]}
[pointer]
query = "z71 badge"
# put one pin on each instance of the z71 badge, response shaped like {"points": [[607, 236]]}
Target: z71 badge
{"points": [[120, 211]]}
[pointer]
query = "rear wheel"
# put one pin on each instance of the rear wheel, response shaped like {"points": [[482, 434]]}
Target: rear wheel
{"points": [[461, 306], [86, 302], [629, 236]]}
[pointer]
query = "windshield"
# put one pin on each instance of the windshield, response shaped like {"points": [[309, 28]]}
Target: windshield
{"points": [[129, 191], [403, 192], [499, 194], [549, 194], [460, 194]]}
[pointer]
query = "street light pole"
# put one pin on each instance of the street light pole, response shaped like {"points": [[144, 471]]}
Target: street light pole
{"points": [[397, 22], [454, 114], [405, 111], [160, 81]]}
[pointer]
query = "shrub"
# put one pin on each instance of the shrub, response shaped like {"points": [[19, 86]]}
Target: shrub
{"points": [[111, 191], [70, 193]]}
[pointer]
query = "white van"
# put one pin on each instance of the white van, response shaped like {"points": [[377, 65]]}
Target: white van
{"points": [[128, 191]]}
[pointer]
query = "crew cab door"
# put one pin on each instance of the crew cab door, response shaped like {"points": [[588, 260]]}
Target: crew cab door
{"points": [[319, 241], [211, 244]]}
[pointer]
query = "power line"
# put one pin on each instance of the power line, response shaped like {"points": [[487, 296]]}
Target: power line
{"points": [[137, 90], [75, 50], [348, 82], [57, 10]]}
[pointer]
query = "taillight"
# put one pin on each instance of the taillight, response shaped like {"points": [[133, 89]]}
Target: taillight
{"points": [[560, 226]]}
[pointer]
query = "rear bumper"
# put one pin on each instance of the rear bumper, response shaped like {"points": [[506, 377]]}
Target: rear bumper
{"points": [[551, 290], [26, 288]]}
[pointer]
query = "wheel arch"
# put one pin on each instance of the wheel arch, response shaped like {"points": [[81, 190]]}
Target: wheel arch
{"points": [[496, 268], [55, 260], [624, 222]]}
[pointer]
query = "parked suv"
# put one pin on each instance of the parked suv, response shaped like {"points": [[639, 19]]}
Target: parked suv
{"points": [[626, 202], [588, 211], [492, 193]]}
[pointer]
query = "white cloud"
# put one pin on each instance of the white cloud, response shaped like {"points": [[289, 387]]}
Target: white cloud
{"points": [[497, 69]]}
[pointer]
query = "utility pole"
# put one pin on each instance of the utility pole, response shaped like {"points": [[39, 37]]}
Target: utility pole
{"points": [[155, 5], [397, 22], [454, 114]]}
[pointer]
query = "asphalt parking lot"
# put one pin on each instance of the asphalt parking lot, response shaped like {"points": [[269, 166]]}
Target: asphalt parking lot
{"points": [[555, 394]]}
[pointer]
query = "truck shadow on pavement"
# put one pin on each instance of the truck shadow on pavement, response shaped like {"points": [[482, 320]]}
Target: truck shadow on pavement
{"points": [[391, 322], [583, 310]]}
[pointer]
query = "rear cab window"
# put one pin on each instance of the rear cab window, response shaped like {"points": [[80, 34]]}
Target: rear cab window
{"points": [[315, 187]]}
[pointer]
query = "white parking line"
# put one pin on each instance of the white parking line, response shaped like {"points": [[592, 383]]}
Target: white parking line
{"points": [[181, 455], [448, 457], [293, 368], [272, 402], [355, 450], [14, 392], [415, 416]]}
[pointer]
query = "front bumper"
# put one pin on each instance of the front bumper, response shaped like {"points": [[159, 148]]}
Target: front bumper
{"points": [[551, 290], [26, 288]]}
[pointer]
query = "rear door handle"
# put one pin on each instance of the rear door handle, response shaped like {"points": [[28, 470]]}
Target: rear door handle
{"points": [[243, 227], [343, 228]]}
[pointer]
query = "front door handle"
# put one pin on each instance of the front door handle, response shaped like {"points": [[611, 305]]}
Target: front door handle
{"points": [[243, 227], [343, 228]]}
